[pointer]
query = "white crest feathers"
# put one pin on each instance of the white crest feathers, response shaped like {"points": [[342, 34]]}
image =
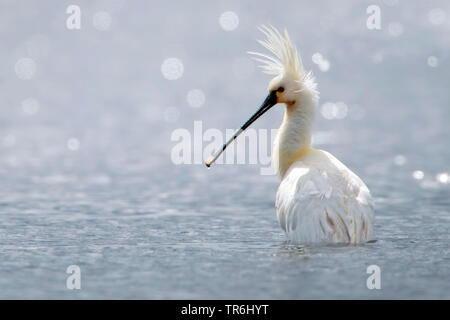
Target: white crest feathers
{"points": [[285, 56]]}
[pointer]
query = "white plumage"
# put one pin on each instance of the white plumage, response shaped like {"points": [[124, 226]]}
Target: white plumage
{"points": [[319, 199]]}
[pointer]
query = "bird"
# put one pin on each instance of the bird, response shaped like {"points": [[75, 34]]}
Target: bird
{"points": [[319, 199]]}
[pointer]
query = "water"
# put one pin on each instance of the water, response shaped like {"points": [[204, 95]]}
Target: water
{"points": [[139, 226]]}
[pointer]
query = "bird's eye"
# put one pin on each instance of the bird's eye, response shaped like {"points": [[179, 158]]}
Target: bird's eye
{"points": [[280, 89]]}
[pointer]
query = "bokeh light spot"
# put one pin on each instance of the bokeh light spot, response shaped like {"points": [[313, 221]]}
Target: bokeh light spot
{"points": [[73, 144], [330, 110], [322, 63], [418, 175], [196, 98], [395, 29], [172, 68], [341, 110], [442, 177], [317, 57], [229, 21], [399, 160], [436, 16], [432, 61], [30, 106], [25, 68], [324, 66]]}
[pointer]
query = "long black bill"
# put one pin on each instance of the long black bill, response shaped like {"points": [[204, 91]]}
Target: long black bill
{"points": [[270, 101]]}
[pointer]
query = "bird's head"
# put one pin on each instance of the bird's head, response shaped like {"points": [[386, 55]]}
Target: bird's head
{"points": [[286, 88], [291, 84]]}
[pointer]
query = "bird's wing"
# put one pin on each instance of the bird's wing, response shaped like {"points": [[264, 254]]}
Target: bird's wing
{"points": [[313, 207]]}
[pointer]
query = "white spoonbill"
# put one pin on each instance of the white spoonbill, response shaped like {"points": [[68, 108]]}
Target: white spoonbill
{"points": [[319, 199]]}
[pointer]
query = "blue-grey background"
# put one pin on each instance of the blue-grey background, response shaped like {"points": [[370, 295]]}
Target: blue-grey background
{"points": [[86, 176]]}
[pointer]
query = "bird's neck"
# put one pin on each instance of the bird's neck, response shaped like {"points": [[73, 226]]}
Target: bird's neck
{"points": [[294, 136]]}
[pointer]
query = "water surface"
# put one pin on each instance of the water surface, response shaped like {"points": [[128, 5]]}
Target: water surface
{"points": [[140, 227]]}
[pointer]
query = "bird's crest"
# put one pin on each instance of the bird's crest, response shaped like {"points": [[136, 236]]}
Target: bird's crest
{"points": [[285, 56]]}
